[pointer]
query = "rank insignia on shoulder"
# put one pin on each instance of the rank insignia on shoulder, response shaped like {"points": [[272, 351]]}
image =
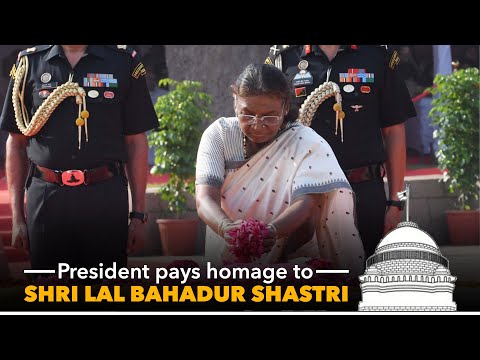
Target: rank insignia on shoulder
{"points": [[274, 57], [33, 50], [275, 50], [139, 71], [394, 60], [124, 48], [13, 71]]}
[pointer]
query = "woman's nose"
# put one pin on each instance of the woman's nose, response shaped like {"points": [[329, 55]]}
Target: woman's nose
{"points": [[258, 123]]}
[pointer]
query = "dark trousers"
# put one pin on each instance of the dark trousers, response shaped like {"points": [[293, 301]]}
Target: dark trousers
{"points": [[82, 226], [370, 209]]}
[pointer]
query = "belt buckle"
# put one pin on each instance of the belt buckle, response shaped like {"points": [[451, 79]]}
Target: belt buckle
{"points": [[73, 177]]}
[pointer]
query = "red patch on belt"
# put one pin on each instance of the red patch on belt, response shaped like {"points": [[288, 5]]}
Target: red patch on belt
{"points": [[365, 89], [299, 92]]}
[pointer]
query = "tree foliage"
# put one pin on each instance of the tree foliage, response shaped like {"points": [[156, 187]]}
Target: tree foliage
{"points": [[455, 109], [181, 115]]}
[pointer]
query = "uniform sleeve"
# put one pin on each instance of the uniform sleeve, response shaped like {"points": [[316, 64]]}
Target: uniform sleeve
{"points": [[210, 168], [7, 118], [395, 104], [139, 112]]}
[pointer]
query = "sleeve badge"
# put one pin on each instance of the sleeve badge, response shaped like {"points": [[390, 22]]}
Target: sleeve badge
{"points": [[394, 60], [139, 71]]}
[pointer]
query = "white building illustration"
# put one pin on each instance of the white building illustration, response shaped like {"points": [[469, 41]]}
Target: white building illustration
{"points": [[407, 272]]}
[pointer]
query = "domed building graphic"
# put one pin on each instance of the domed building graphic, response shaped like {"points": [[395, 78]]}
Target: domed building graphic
{"points": [[407, 272]]}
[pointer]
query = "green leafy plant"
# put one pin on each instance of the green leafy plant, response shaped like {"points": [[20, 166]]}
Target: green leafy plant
{"points": [[181, 114], [455, 109]]}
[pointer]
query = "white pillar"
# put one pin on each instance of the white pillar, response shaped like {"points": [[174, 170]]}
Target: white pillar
{"points": [[442, 59], [442, 64]]}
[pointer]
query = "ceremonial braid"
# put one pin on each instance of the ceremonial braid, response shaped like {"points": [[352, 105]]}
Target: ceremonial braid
{"points": [[316, 97], [31, 127]]}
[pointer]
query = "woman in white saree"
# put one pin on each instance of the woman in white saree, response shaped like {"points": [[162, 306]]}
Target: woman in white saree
{"points": [[264, 165]]}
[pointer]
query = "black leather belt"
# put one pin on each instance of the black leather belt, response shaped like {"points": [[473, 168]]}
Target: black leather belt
{"points": [[76, 177], [365, 173]]}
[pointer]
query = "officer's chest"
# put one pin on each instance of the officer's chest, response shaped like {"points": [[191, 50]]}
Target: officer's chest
{"points": [[358, 74], [105, 82]]}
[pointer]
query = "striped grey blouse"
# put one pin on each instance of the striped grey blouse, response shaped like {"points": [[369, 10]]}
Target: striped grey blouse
{"points": [[221, 144]]}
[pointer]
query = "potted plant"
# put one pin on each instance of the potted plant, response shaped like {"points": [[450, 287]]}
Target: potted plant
{"points": [[455, 109], [181, 116]]}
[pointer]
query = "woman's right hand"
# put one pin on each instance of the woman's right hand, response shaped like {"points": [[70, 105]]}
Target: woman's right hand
{"points": [[227, 256], [267, 242], [229, 227]]}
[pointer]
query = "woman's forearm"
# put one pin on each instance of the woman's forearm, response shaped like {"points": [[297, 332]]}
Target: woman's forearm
{"points": [[208, 201], [296, 215]]}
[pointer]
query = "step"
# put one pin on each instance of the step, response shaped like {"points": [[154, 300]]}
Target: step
{"points": [[5, 208], [15, 255], [6, 236], [5, 222]]}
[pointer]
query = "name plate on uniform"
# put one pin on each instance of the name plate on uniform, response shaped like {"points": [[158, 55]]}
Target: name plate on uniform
{"points": [[302, 79], [51, 85]]}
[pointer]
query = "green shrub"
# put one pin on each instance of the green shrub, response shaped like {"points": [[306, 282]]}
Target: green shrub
{"points": [[181, 113], [455, 109]]}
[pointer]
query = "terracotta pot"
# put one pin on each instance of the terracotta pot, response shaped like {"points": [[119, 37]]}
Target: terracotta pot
{"points": [[178, 236], [463, 227]]}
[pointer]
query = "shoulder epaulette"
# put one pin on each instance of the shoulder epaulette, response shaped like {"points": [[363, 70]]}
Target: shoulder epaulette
{"points": [[273, 57], [33, 50], [385, 48], [125, 48]]}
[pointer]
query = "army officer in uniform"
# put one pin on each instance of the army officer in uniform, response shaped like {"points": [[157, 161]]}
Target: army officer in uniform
{"points": [[77, 117], [366, 127]]}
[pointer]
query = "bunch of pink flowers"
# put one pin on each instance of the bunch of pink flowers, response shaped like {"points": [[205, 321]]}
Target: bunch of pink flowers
{"points": [[247, 240]]}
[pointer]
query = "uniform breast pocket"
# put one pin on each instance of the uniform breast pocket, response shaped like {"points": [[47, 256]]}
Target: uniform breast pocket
{"points": [[42, 91], [301, 93], [357, 97], [104, 96]]}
